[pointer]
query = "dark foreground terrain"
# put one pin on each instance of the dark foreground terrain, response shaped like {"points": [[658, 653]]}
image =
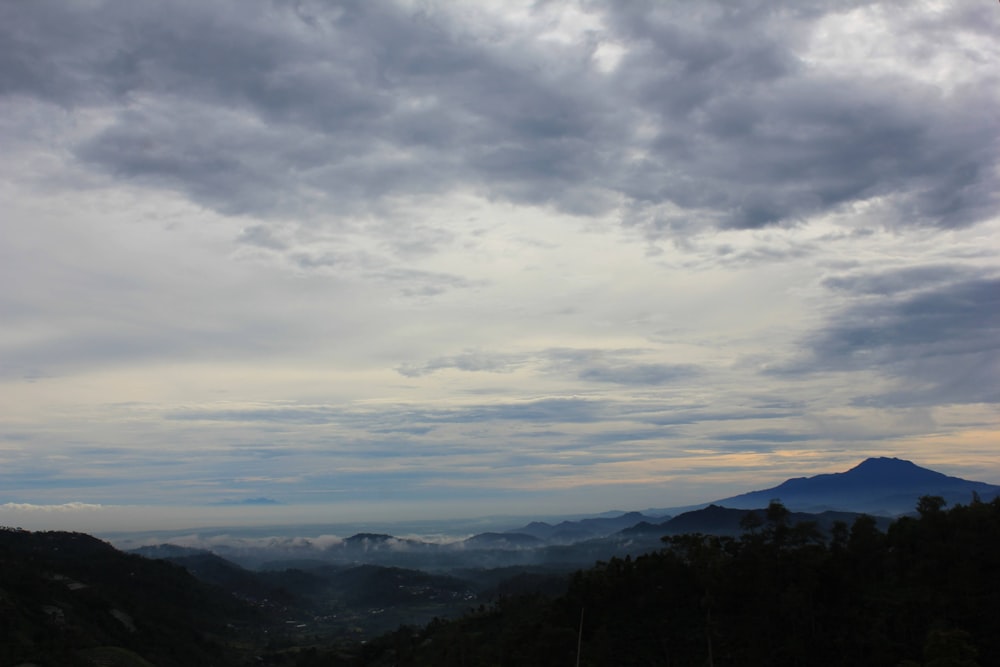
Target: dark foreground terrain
{"points": [[923, 592]]}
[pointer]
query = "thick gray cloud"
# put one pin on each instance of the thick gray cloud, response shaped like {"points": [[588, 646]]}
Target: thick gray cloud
{"points": [[940, 340], [779, 138], [714, 115], [904, 280]]}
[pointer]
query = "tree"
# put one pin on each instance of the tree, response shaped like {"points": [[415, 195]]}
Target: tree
{"points": [[750, 522], [930, 505]]}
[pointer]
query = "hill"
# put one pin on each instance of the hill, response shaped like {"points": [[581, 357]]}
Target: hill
{"points": [[71, 599]]}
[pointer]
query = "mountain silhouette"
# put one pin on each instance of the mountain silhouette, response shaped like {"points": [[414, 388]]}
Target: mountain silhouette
{"points": [[884, 486], [568, 532]]}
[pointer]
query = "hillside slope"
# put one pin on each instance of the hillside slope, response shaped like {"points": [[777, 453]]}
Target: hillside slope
{"points": [[71, 599]]}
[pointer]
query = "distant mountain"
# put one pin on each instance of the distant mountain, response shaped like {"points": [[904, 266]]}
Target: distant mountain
{"points": [[368, 539], [568, 532], [881, 486], [377, 541]]}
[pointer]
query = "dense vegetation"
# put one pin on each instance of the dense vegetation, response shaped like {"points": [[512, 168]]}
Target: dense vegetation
{"points": [[71, 599], [924, 593]]}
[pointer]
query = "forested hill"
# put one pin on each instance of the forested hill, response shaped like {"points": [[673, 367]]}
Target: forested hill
{"points": [[70, 599], [924, 593]]}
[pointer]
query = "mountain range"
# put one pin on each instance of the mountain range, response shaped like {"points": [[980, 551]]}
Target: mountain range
{"points": [[882, 487]]}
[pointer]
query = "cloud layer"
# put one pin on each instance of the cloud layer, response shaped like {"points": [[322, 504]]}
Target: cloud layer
{"points": [[618, 254]]}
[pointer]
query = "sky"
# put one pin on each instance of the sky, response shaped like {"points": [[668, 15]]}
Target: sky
{"points": [[296, 259]]}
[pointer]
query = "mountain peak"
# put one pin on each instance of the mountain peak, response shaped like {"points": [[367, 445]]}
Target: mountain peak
{"points": [[884, 462], [885, 468]]}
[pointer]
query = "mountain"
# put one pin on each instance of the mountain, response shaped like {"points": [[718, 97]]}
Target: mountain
{"points": [[882, 486], [568, 532]]}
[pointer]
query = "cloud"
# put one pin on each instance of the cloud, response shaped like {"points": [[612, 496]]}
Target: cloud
{"points": [[261, 236], [617, 366], [64, 507], [639, 374], [586, 365], [545, 410], [280, 415], [714, 116], [416, 283], [473, 361], [901, 280], [250, 501], [939, 343], [765, 436]]}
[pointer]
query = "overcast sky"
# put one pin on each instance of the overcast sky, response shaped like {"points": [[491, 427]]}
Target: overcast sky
{"points": [[457, 258]]}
